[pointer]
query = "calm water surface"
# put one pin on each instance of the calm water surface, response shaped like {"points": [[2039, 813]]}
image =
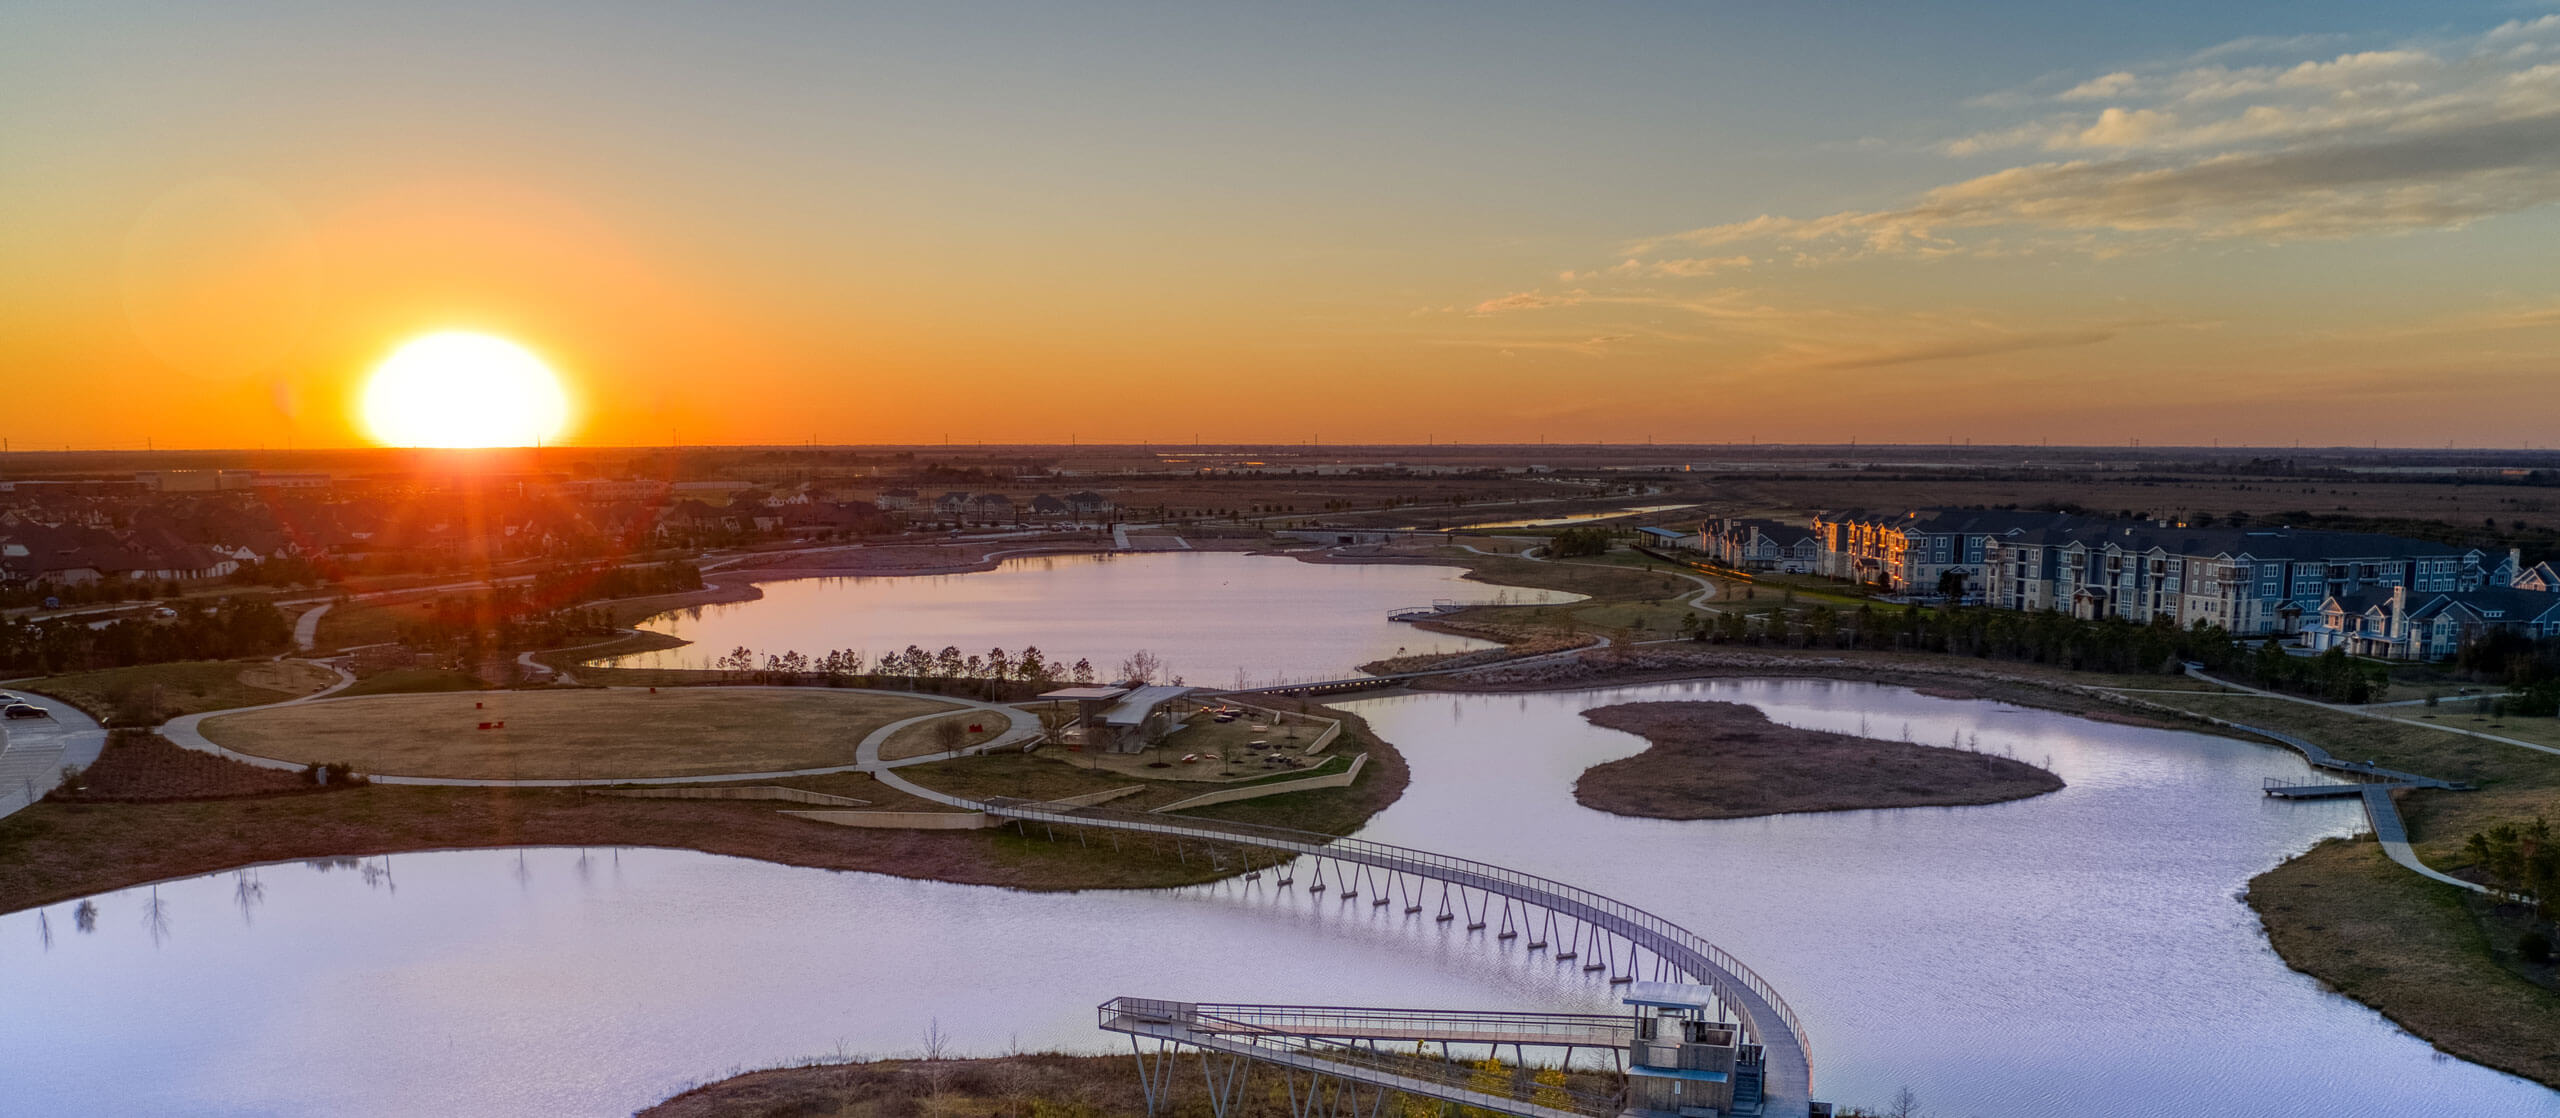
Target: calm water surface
{"points": [[1217, 618], [2081, 953]]}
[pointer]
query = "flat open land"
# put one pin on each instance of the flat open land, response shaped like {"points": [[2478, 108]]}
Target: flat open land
{"points": [[1728, 761], [147, 694], [572, 734]]}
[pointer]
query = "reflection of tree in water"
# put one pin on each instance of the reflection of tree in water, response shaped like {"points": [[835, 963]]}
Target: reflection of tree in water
{"points": [[247, 892], [155, 916], [324, 865], [378, 875], [85, 917], [524, 873], [44, 929]]}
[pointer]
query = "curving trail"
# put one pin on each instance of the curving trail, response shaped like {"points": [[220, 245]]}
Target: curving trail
{"points": [[187, 732]]}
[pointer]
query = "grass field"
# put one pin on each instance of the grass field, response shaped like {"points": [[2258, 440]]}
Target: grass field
{"points": [[150, 693], [2410, 948], [573, 734], [926, 737], [401, 681]]}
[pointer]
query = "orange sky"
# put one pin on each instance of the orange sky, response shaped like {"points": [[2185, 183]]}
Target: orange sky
{"points": [[906, 233]]}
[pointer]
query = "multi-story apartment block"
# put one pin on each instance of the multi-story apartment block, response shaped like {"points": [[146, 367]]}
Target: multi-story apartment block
{"points": [[2248, 581], [1761, 545], [2399, 625], [1911, 552]]}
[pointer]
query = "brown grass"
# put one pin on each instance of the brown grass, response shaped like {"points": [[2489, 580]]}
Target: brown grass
{"points": [[1043, 1085], [185, 687], [138, 766], [57, 851], [926, 737], [2410, 948], [1714, 760], [572, 734]]}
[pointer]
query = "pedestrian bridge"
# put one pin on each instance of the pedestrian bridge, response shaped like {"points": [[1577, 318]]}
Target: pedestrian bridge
{"points": [[1608, 934]]}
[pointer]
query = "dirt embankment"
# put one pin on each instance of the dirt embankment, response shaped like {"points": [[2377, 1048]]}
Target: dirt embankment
{"points": [[1728, 761]]}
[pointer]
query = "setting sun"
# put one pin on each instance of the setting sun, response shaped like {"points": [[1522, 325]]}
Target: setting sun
{"points": [[458, 389]]}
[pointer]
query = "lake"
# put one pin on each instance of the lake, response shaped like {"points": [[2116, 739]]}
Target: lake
{"points": [[1221, 619], [2082, 953]]}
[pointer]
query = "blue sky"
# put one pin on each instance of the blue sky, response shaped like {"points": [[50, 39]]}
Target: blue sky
{"points": [[1991, 221]]}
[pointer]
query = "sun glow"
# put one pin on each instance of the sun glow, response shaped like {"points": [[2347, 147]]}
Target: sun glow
{"points": [[457, 389]]}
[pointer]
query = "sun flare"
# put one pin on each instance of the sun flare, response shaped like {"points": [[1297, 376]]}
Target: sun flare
{"points": [[457, 389]]}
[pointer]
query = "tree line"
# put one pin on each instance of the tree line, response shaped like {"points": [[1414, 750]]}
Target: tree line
{"points": [[990, 671], [2039, 637], [225, 629]]}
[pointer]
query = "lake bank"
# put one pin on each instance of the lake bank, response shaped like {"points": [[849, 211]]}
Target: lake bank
{"points": [[1715, 760]]}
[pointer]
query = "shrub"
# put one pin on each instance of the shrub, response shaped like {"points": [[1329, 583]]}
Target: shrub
{"points": [[2535, 947]]}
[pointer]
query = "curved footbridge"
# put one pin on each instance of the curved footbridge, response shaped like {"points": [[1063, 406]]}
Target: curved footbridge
{"points": [[1607, 934]]}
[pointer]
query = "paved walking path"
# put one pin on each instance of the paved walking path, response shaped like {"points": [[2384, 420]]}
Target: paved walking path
{"points": [[2394, 836], [34, 750], [306, 628], [2380, 811], [2362, 712], [1023, 726]]}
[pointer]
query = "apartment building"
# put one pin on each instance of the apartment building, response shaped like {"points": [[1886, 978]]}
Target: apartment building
{"points": [[2248, 581], [1911, 552], [1761, 545], [2399, 625]]}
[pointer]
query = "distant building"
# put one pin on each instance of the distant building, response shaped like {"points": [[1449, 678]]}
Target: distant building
{"points": [[195, 481], [2395, 624], [1671, 539], [1762, 545]]}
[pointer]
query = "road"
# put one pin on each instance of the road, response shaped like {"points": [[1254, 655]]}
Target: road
{"points": [[36, 749]]}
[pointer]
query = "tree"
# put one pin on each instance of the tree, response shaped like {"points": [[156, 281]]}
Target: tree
{"points": [[1141, 668], [1033, 668], [948, 663], [1905, 1104], [1084, 671], [1951, 585]]}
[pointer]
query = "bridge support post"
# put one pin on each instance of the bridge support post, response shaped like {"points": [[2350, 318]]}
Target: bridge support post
{"points": [[1153, 1081], [1226, 1088]]}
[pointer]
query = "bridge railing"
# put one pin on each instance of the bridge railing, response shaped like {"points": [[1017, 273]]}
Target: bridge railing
{"points": [[1663, 931], [1580, 1030], [1189, 1023]]}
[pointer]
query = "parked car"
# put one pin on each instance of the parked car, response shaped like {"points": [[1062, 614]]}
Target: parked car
{"points": [[25, 710]]}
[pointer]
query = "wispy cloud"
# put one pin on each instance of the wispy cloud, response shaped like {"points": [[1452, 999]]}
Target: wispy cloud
{"points": [[1525, 301], [2419, 136], [1955, 348]]}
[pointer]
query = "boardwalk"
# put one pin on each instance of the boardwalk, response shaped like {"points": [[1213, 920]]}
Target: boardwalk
{"points": [[1764, 1016]]}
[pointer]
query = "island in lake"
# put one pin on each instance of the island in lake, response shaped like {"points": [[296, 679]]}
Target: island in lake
{"points": [[1713, 760]]}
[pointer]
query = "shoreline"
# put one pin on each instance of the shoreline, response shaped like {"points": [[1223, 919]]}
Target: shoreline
{"points": [[1709, 759]]}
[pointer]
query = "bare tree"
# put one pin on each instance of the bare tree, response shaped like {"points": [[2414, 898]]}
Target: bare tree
{"points": [[1141, 668], [1906, 1104]]}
